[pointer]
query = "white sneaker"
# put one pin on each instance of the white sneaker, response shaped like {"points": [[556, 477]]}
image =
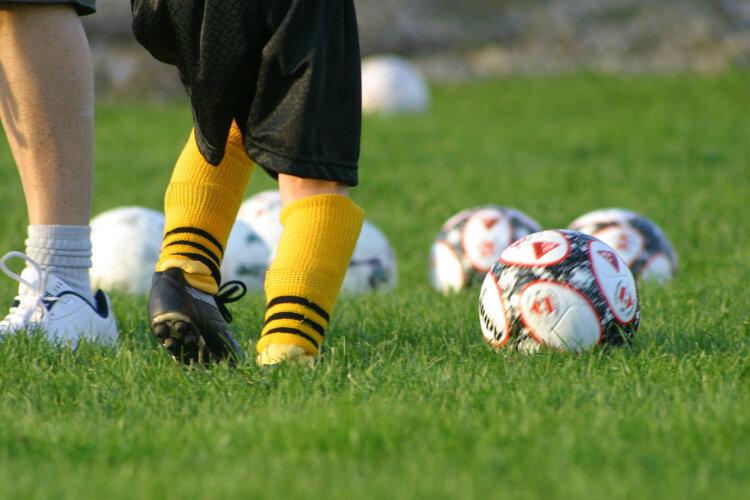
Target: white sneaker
{"points": [[45, 302]]}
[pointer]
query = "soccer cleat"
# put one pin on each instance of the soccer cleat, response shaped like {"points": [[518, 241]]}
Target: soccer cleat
{"points": [[275, 354], [45, 302], [190, 323]]}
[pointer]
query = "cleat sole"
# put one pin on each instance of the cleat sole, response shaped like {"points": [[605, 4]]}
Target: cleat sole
{"points": [[179, 337]]}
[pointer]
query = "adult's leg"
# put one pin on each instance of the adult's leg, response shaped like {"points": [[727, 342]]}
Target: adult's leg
{"points": [[47, 109]]}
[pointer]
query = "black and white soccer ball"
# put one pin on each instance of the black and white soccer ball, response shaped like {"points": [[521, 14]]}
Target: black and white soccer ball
{"points": [[125, 246], [561, 290], [637, 239], [470, 242], [246, 257]]}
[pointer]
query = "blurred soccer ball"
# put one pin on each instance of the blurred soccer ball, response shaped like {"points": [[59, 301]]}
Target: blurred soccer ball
{"points": [[125, 246], [262, 212], [470, 242], [373, 264], [560, 290], [639, 241], [392, 85], [246, 257]]}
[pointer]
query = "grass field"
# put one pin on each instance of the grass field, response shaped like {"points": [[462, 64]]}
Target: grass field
{"points": [[410, 402]]}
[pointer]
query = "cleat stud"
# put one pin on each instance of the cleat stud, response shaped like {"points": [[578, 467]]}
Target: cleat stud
{"points": [[161, 331], [180, 328]]}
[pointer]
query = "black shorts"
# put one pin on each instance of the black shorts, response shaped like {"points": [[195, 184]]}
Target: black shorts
{"points": [[83, 7], [287, 71]]}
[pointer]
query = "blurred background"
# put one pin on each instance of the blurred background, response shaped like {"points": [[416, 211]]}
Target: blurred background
{"points": [[450, 40]]}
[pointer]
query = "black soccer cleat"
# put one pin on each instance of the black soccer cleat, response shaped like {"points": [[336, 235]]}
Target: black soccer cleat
{"points": [[191, 324]]}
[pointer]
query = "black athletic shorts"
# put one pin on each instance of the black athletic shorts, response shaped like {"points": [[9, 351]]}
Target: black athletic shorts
{"points": [[83, 7], [287, 71]]}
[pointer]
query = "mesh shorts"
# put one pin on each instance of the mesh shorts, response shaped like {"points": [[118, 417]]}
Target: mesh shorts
{"points": [[83, 7], [287, 71]]}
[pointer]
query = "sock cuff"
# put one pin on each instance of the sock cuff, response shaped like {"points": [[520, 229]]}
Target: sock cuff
{"points": [[320, 205], [333, 221], [67, 249], [60, 246], [62, 237]]}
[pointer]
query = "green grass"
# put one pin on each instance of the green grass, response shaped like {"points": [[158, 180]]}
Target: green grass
{"points": [[410, 402]]}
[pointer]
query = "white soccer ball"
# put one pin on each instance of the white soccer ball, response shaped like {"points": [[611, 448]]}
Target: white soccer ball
{"points": [[246, 257], [637, 239], [262, 212], [373, 264], [391, 85], [125, 246], [560, 290], [470, 242]]}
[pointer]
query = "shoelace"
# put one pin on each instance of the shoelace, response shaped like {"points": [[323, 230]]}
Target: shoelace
{"points": [[28, 304], [229, 292]]}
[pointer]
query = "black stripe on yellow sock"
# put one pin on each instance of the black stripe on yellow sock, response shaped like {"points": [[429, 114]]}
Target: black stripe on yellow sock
{"points": [[294, 331], [198, 232], [292, 299], [203, 249], [298, 317], [215, 271], [197, 246]]}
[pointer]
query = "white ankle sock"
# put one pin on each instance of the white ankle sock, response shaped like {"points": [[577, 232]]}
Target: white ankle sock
{"points": [[67, 249]]}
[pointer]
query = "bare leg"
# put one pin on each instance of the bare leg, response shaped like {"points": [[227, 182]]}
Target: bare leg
{"points": [[321, 227], [47, 109], [295, 188]]}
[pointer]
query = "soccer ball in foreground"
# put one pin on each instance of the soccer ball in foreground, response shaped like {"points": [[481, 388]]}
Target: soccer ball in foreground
{"points": [[560, 290], [246, 257], [392, 85], [373, 264], [638, 240], [125, 246], [470, 242]]}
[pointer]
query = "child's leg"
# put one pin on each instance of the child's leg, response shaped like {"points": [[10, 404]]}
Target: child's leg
{"points": [[185, 313], [321, 228], [200, 207]]}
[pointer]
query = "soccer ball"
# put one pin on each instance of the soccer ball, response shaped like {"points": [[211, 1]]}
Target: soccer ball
{"points": [[373, 264], [392, 85], [262, 212], [560, 290], [125, 246], [246, 257], [470, 242], [638, 240]]}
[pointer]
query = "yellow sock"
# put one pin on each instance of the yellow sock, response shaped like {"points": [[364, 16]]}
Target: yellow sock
{"points": [[200, 207], [304, 280]]}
